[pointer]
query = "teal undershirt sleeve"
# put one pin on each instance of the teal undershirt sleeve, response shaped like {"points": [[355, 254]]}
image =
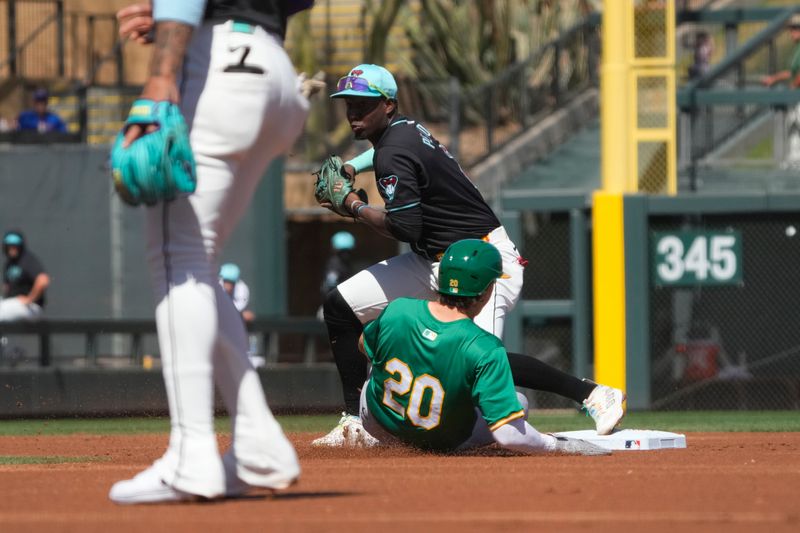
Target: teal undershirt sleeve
{"points": [[362, 161], [187, 11]]}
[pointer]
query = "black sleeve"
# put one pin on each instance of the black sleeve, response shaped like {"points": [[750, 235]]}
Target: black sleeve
{"points": [[32, 265], [398, 174], [406, 225]]}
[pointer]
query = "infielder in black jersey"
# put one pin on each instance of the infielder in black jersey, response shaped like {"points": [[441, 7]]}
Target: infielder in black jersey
{"points": [[430, 203]]}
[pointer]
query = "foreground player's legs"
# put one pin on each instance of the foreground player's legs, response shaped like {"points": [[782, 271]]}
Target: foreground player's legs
{"points": [[245, 130], [200, 332]]}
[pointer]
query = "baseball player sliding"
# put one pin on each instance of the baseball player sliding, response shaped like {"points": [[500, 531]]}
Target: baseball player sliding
{"points": [[439, 381], [430, 203], [221, 66]]}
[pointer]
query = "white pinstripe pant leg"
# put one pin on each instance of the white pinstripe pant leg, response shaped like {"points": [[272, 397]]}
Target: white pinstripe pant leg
{"points": [[238, 123]]}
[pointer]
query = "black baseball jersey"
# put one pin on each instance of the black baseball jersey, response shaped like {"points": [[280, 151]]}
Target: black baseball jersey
{"points": [[430, 202], [20, 275], [269, 14]]}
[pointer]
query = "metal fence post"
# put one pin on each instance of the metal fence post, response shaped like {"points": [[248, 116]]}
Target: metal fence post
{"points": [[60, 36], [684, 139], [44, 349], [581, 295], [555, 83], [120, 60], [637, 302], [779, 136], [83, 112], [90, 48], [12, 38], [731, 37], [773, 56], [489, 120], [524, 99]]}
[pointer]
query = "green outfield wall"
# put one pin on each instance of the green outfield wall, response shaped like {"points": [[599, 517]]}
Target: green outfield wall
{"points": [[70, 392]]}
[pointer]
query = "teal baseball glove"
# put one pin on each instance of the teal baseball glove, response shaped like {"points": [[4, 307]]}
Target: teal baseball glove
{"points": [[157, 166]]}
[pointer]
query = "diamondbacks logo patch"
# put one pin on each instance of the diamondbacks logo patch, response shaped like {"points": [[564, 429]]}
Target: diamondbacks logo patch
{"points": [[388, 187]]}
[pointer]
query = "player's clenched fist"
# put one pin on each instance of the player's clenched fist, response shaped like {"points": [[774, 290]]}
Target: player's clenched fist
{"points": [[136, 22]]}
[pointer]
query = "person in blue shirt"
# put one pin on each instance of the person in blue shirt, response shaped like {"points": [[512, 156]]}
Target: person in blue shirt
{"points": [[40, 118]]}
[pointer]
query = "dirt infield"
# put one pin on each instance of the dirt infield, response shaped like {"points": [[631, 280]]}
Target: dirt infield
{"points": [[722, 482]]}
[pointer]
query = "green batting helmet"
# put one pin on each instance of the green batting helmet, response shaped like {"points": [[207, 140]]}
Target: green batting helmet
{"points": [[468, 267]]}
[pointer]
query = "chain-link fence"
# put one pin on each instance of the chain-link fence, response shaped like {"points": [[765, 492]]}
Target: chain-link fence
{"points": [[41, 41], [730, 345], [726, 109], [718, 309], [545, 243], [32, 42]]}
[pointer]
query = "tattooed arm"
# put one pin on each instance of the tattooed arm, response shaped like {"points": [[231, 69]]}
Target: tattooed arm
{"points": [[169, 48]]}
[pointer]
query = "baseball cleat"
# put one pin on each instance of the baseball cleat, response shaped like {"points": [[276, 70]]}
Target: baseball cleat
{"points": [[606, 407], [147, 487], [578, 447], [335, 438], [355, 436]]}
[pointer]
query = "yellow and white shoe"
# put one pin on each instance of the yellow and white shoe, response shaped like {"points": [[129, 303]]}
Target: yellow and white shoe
{"points": [[606, 406], [335, 438]]}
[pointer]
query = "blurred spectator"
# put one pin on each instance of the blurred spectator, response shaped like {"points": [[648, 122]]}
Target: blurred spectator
{"points": [[24, 281], [340, 265], [232, 283], [703, 50], [792, 75], [793, 72], [40, 118], [230, 278]]}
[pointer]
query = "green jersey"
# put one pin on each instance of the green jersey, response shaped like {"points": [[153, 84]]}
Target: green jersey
{"points": [[794, 66], [428, 376]]}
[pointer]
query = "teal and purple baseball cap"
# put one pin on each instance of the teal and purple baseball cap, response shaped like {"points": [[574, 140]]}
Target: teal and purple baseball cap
{"points": [[367, 80]]}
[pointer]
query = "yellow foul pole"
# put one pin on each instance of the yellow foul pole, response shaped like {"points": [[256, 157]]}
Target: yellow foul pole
{"points": [[637, 114], [607, 214]]}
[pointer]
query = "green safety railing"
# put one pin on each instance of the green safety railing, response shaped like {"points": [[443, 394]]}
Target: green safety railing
{"points": [[719, 105]]}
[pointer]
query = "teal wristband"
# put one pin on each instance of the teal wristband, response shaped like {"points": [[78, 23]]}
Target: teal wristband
{"points": [[362, 161]]}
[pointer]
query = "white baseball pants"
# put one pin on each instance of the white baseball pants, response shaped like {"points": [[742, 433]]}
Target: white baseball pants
{"points": [[481, 434], [13, 310], [412, 276], [239, 121]]}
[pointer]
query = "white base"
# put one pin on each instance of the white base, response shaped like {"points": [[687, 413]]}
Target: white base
{"points": [[630, 439]]}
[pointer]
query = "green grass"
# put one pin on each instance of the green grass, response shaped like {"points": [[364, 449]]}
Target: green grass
{"points": [[547, 421], [762, 150], [679, 421], [47, 460]]}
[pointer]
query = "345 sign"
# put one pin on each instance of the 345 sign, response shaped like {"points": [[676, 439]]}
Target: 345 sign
{"points": [[693, 257]]}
